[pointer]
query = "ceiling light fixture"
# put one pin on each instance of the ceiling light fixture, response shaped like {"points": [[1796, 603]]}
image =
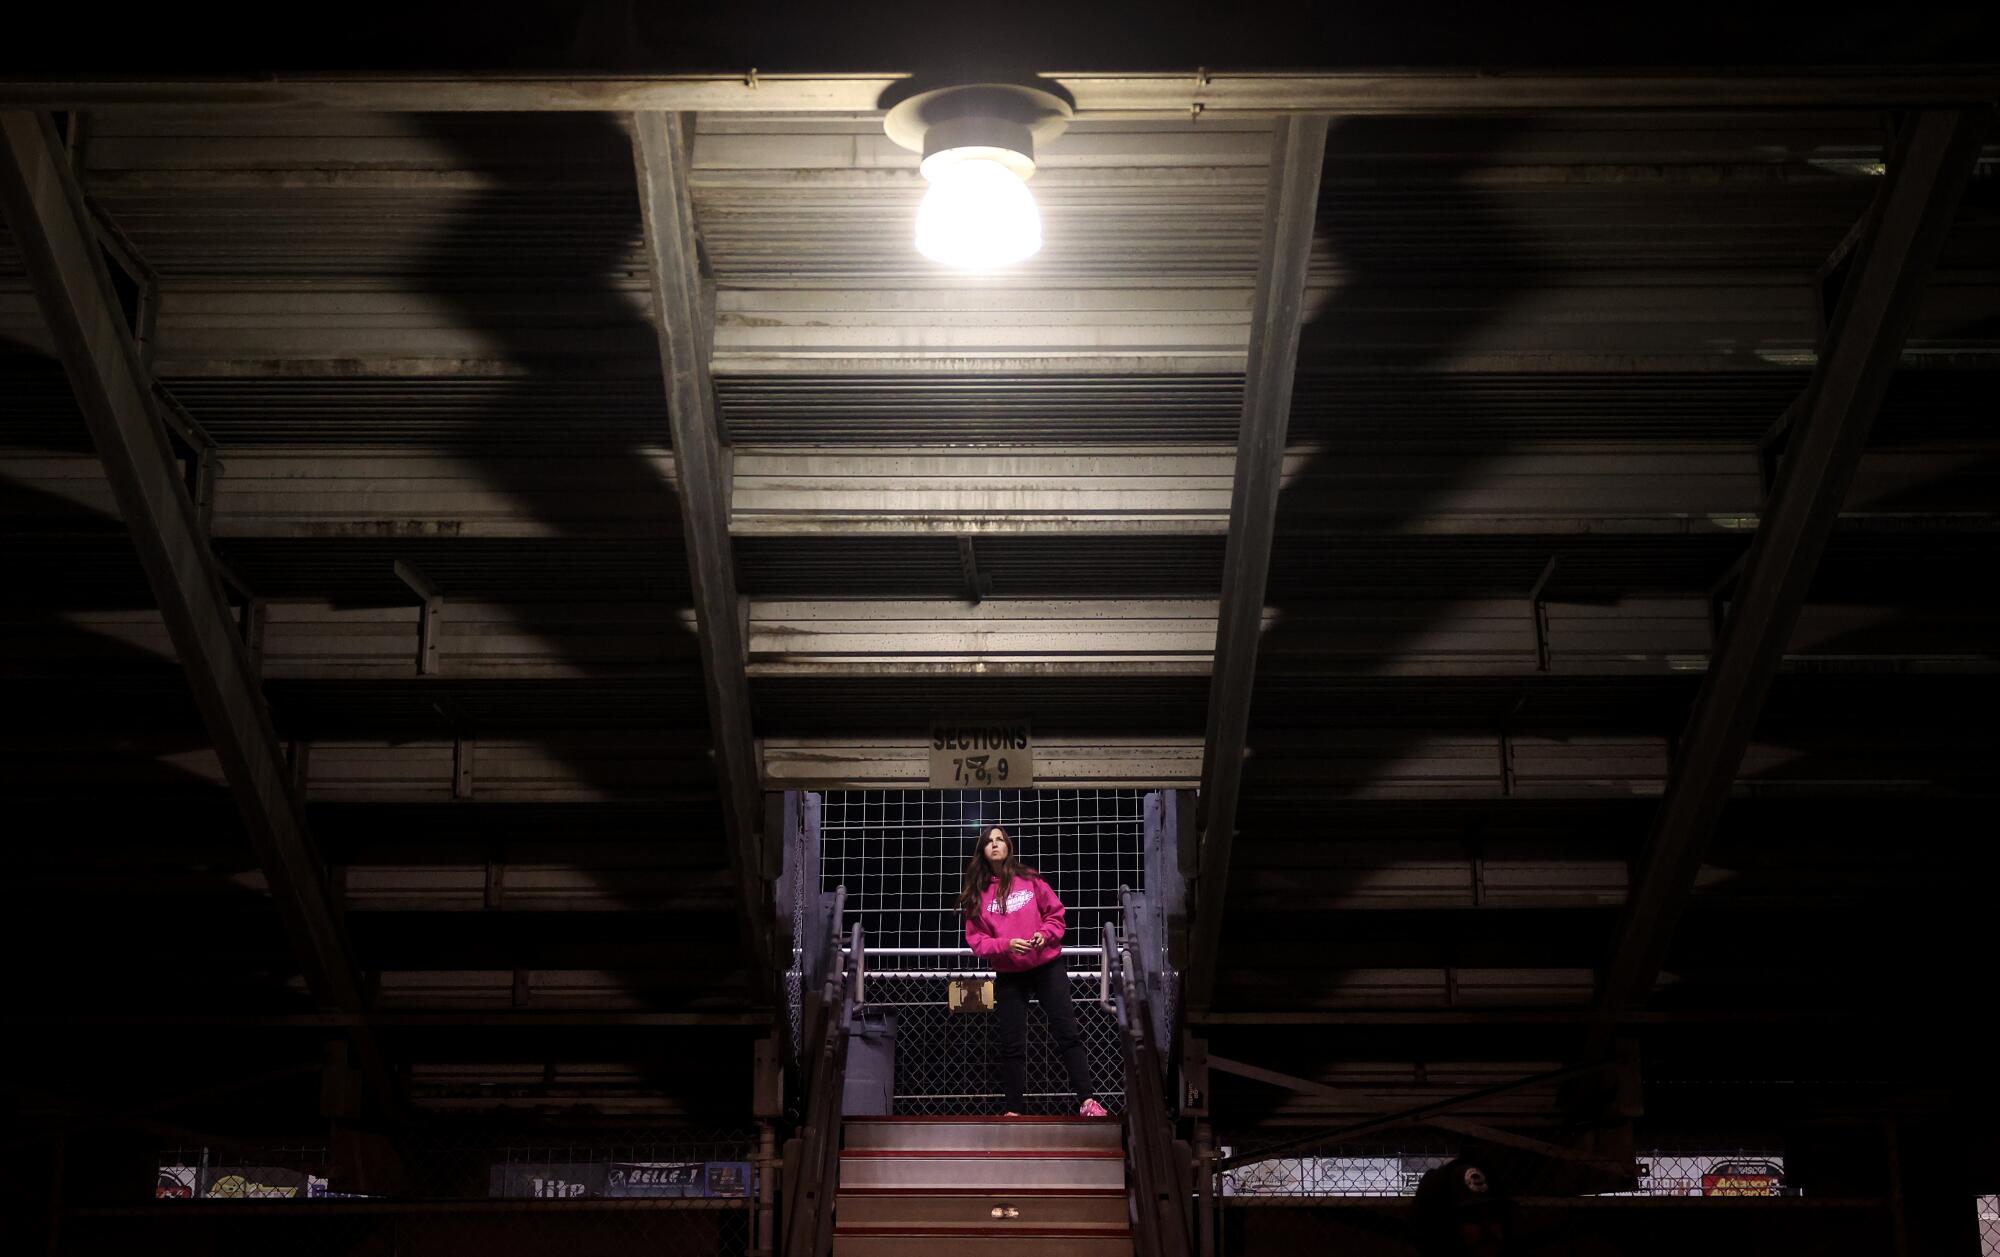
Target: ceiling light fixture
{"points": [[978, 143]]}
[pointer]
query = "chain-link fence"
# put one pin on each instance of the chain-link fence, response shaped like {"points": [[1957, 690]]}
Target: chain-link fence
{"points": [[1395, 1169], [1719, 1172], [945, 1060], [1370, 1169], [1989, 1226], [655, 1192], [901, 854]]}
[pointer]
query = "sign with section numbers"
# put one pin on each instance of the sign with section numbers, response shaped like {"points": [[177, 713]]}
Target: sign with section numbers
{"points": [[982, 755]]}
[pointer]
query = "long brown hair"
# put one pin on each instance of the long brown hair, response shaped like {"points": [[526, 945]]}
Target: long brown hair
{"points": [[979, 871]]}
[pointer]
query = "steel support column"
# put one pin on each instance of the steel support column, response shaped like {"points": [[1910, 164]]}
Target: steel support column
{"points": [[1933, 159], [660, 150], [1170, 93], [1291, 203], [58, 245]]}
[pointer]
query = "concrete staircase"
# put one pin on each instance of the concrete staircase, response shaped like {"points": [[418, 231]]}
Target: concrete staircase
{"points": [[982, 1187]]}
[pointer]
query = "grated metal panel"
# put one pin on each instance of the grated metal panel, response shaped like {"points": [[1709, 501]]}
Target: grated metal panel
{"points": [[900, 854], [944, 1059]]}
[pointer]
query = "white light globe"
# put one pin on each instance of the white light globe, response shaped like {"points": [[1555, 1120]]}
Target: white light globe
{"points": [[977, 215]]}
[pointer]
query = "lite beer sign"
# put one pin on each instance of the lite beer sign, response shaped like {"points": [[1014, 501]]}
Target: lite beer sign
{"points": [[982, 754], [581, 1180]]}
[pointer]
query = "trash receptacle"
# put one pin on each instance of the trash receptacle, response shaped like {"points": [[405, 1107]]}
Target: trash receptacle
{"points": [[870, 1087]]}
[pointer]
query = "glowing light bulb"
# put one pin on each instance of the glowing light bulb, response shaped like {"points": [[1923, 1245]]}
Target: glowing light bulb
{"points": [[977, 215]]}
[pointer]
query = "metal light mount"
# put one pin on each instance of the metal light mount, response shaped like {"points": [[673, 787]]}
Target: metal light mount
{"points": [[978, 144], [997, 121]]}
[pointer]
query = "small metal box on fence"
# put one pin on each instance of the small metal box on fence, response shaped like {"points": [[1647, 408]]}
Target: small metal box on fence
{"points": [[868, 1086]]}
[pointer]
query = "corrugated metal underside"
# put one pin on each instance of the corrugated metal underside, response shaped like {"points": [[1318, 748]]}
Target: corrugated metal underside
{"points": [[471, 415], [97, 569], [1541, 353]]}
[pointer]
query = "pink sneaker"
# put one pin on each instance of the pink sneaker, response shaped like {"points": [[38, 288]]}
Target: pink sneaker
{"points": [[1091, 1108]]}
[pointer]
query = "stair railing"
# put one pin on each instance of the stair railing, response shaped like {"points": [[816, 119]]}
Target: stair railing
{"points": [[811, 1185], [1159, 1198]]}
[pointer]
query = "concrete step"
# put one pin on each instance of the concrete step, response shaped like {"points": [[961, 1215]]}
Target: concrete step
{"points": [[998, 1134], [982, 1172], [1098, 1210], [1053, 1242]]}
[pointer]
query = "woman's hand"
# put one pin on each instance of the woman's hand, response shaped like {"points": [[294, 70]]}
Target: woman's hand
{"points": [[1040, 939], [1019, 945]]}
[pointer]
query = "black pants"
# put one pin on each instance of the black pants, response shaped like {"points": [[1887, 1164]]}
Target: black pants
{"points": [[1048, 983]]}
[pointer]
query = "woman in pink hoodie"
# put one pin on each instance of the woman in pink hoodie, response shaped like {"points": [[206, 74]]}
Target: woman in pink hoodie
{"points": [[1014, 922]]}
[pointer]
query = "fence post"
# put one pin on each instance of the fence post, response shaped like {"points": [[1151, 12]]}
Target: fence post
{"points": [[1204, 1171], [768, 1102], [56, 1198]]}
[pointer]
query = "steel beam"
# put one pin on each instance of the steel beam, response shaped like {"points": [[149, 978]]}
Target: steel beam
{"points": [[1179, 94], [427, 496], [1364, 764], [1290, 1082], [1470, 1129], [1417, 1116], [679, 286], [1457, 1125], [1932, 161], [58, 247], [1496, 1017], [430, 617], [1291, 203], [582, 1018]]}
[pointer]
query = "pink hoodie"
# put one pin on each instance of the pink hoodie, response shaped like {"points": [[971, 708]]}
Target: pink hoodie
{"points": [[1031, 908]]}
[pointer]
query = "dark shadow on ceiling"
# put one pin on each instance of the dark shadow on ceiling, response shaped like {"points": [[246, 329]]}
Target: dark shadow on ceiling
{"points": [[624, 729], [1418, 441]]}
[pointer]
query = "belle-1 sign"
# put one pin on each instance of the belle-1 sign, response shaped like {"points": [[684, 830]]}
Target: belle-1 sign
{"points": [[980, 755]]}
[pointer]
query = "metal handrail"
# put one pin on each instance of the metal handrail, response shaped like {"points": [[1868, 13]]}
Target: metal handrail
{"points": [[830, 937], [967, 971], [1138, 1118], [809, 1219], [860, 955], [964, 951], [1104, 955], [1160, 1213]]}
